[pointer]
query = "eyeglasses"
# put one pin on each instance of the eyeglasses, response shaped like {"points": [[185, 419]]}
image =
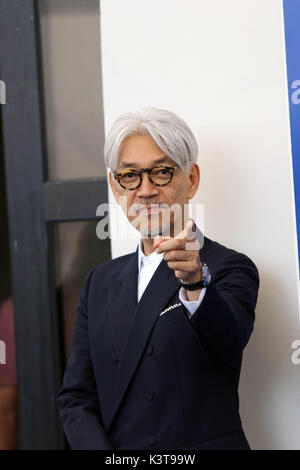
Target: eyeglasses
{"points": [[132, 179]]}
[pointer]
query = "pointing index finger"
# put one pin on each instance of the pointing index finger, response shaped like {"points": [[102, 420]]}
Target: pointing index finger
{"points": [[194, 236]]}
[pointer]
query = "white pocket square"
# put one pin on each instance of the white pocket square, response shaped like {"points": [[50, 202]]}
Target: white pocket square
{"points": [[170, 308]]}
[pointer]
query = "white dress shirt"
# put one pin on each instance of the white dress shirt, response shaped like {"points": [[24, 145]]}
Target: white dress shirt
{"points": [[147, 266]]}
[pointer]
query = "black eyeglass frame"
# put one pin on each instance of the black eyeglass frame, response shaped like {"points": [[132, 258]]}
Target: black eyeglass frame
{"points": [[171, 170]]}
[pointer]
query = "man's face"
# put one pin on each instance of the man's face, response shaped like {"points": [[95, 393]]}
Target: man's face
{"points": [[140, 151]]}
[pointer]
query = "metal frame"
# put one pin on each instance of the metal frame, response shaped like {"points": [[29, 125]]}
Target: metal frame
{"points": [[32, 204]]}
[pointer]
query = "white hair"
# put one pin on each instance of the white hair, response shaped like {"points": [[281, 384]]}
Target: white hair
{"points": [[171, 133]]}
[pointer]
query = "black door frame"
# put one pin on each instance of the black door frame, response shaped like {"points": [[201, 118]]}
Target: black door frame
{"points": [[33, 203]]}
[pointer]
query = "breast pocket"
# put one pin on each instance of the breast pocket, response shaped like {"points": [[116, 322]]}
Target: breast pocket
{"points": [[169, 310]]}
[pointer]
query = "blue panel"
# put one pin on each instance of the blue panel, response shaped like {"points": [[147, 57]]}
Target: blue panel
{"points": [[292, 38]]}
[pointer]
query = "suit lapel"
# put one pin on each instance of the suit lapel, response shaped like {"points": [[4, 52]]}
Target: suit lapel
{"points": [[123, 302]]}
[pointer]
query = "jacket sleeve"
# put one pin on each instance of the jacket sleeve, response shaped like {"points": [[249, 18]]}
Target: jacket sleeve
{"points": [[77, 399], [224, 321]]}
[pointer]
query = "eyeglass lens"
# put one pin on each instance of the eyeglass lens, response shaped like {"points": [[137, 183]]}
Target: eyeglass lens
{"points": [[159, 176]]}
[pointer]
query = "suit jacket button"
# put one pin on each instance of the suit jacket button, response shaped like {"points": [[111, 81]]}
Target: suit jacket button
{"points": [[150, 349], [115, 359], [150, 395], [152, 439]]}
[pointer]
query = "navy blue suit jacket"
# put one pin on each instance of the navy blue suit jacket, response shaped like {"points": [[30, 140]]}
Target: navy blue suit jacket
{"points": [[140, 380]]}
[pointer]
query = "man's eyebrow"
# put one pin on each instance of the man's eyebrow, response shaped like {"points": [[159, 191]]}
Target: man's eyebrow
{"points": [[164, 159]]}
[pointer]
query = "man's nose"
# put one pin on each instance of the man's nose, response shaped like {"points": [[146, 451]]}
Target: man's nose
{"points": [[147, 188]]}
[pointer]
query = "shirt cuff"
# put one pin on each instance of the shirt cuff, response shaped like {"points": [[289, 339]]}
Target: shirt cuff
{"points": [[192, 305]]}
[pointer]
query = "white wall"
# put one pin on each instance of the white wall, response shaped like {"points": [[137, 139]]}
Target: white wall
{"points": [[221, 66]]}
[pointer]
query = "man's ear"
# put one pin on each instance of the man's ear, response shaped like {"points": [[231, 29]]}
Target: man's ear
{"points": [[194, 180], [113, 186]]}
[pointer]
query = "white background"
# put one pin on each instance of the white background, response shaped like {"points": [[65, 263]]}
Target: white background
{"points": [[221, 66]]}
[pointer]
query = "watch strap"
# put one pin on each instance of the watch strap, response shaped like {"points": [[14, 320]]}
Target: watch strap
{"points": [[204, 282]]}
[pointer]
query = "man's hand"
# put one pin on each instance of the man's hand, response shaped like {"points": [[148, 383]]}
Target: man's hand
{"points": [[182, 254]]}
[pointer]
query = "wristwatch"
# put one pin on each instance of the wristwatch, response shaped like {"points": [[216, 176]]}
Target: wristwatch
{"points": [[204, 282]]}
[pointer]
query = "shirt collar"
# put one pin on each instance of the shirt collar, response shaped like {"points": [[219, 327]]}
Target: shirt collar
{"points": [[153, 258]]}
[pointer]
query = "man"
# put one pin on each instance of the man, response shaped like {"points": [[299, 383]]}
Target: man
{"points": [[159, 334]]}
